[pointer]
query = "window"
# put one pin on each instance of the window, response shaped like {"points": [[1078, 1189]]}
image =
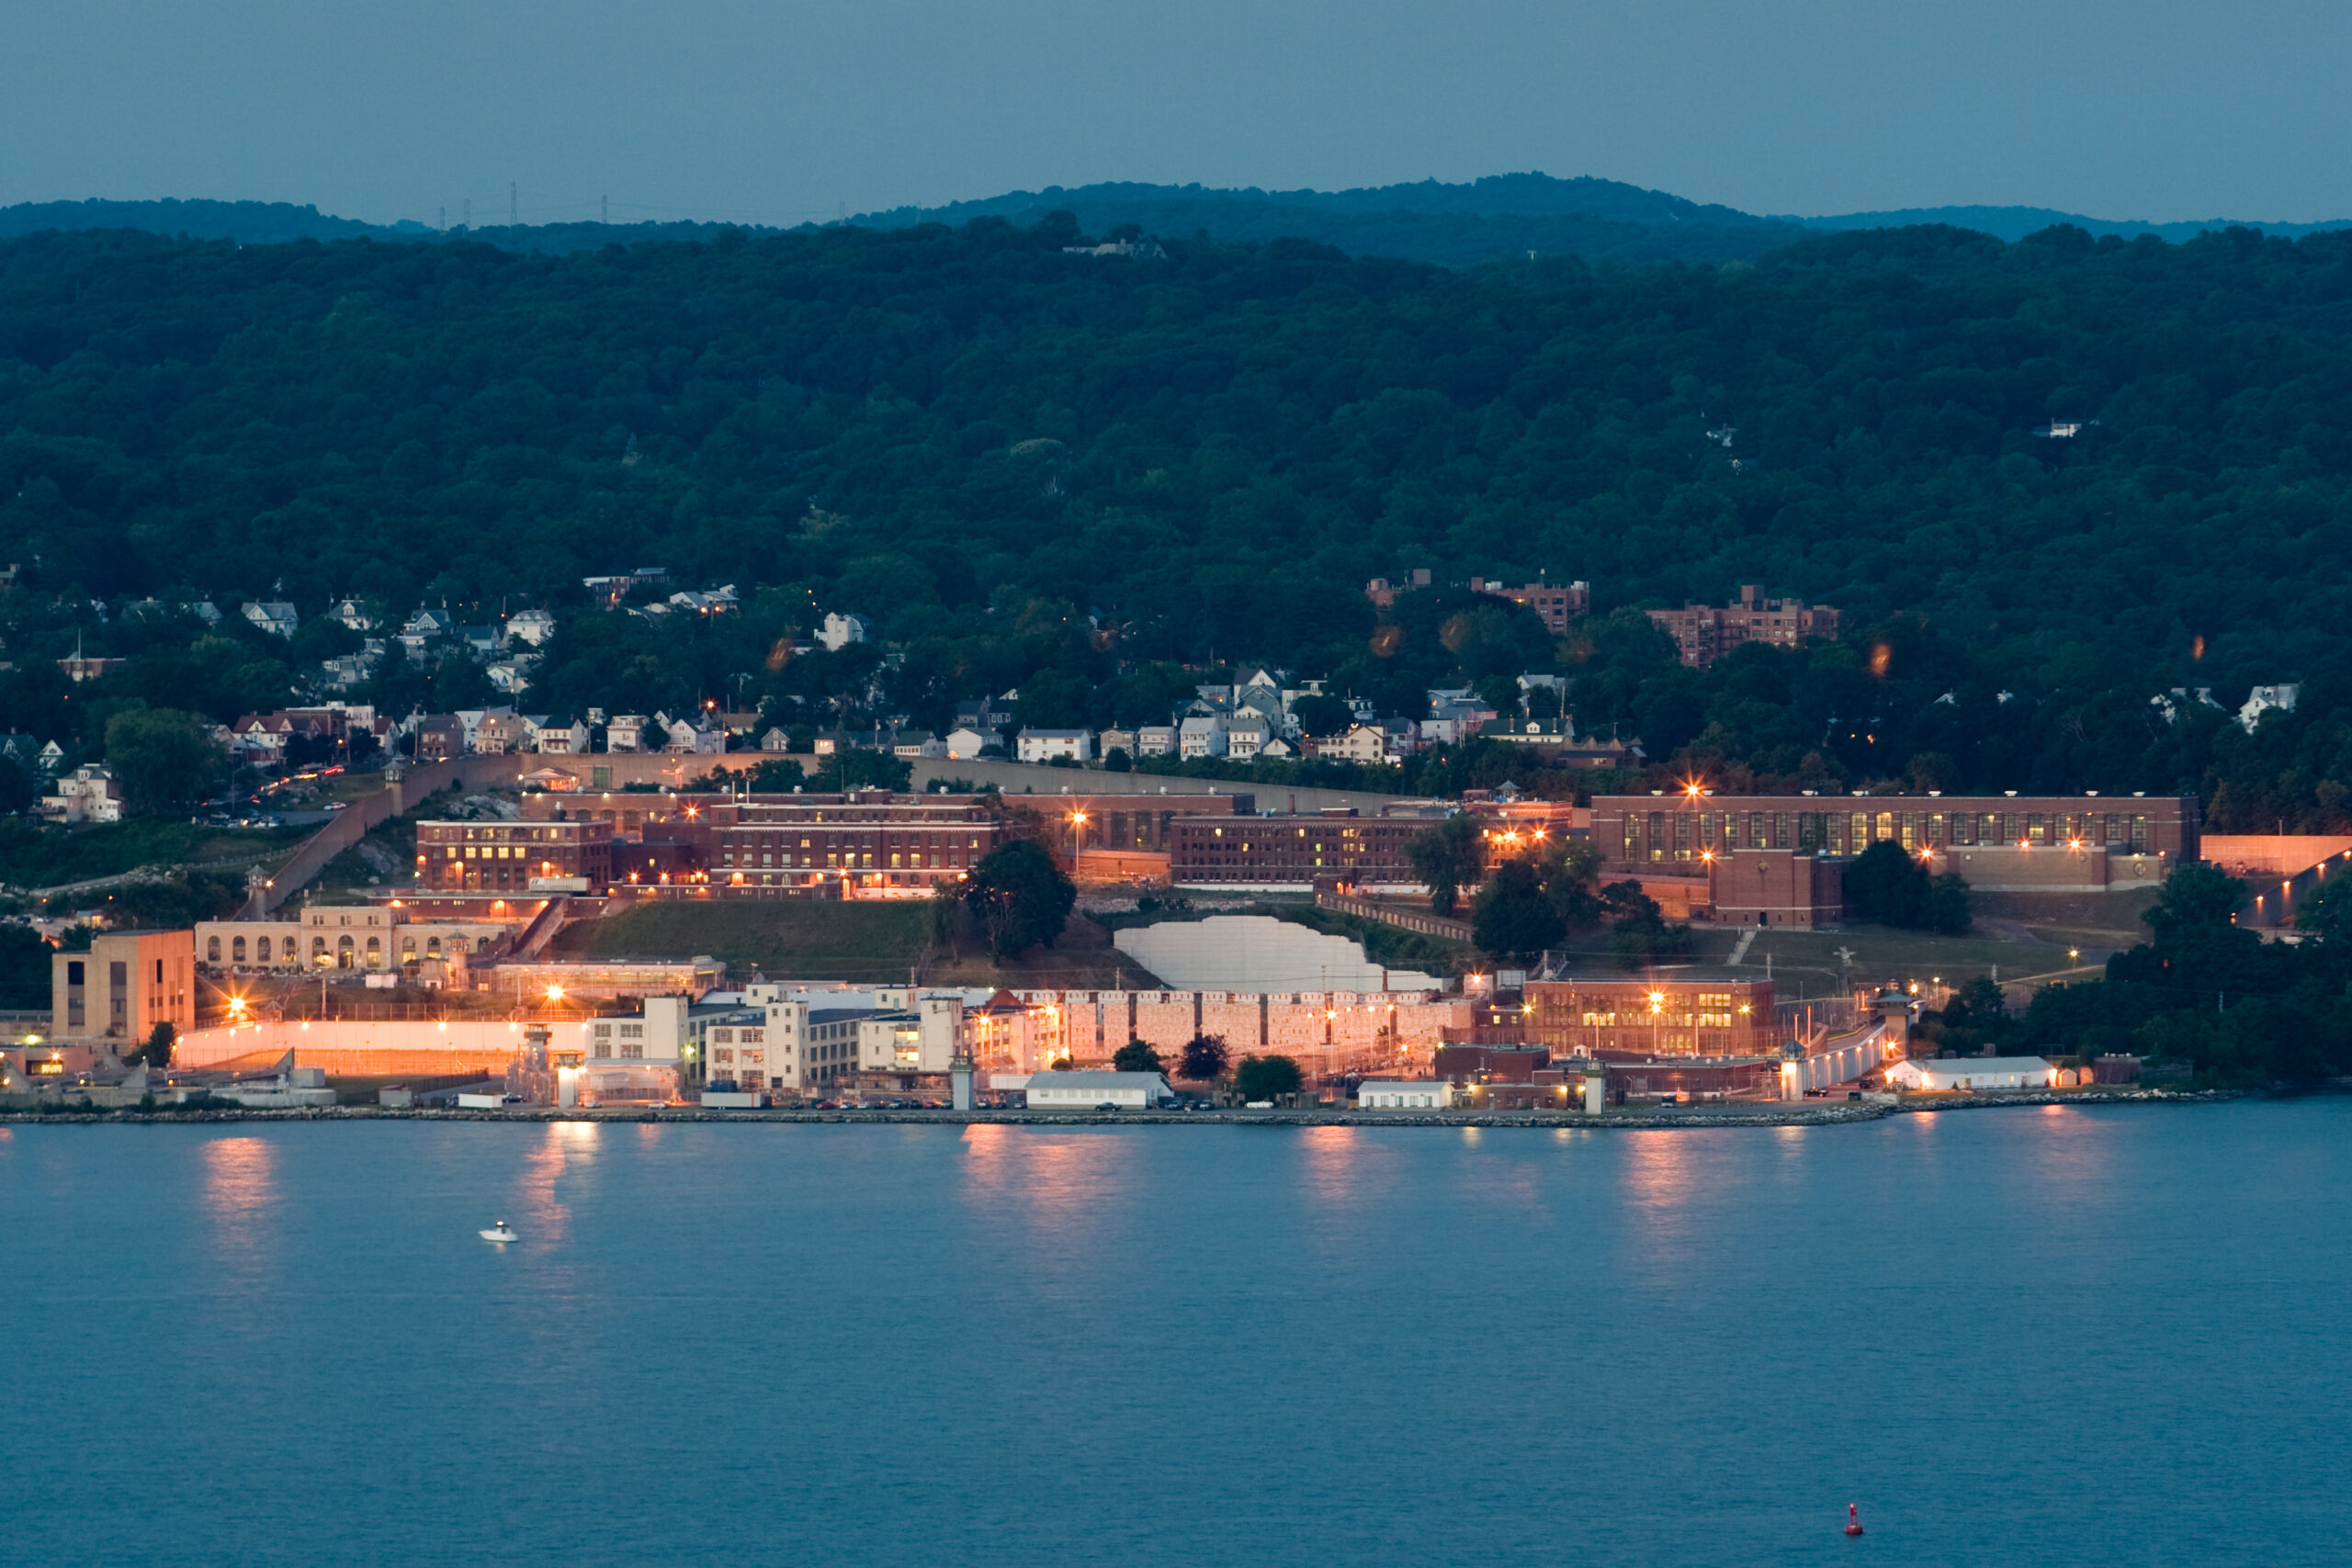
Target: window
{"points": [[261, 948], [212, 950], [237, 949]]}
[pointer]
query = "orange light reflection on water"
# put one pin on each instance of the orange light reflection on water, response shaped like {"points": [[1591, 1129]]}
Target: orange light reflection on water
{"points": [[240, 1185], [545, 1218]]}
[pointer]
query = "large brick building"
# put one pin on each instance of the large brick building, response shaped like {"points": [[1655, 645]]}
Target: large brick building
{"points": [[1287, 850], [1776, 860], [867, 839], [1556, 604], [528, 856], [1704, 633]]}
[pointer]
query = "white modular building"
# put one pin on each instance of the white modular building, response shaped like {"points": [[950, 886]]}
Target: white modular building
{"points": [[1971, 1072], [1404, 1094], [1091, 1091]]}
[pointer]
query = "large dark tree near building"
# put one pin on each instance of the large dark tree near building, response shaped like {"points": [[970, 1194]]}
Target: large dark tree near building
{"points": [[163, 759], [1136, 1056], [1448, 858], [1019, 896], [1513, 916], [1266, 1078], [1887, 886], [1205, 1060]]}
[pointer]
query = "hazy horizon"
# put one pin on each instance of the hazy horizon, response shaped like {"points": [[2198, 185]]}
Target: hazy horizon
{"points": [[781, 114]]}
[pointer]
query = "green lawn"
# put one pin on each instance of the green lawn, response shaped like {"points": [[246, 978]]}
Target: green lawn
{"points": [[877, 943], [36, 856], [811, 941], [1815, 960]]}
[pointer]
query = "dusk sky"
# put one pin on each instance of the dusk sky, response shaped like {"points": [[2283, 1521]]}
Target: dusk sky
{"points": [[777, 111]]}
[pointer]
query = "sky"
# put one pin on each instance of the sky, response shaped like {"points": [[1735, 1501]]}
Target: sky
{"points": [[779, 111]]}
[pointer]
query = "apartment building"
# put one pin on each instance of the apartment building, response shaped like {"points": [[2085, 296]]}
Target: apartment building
{"points": [[1704, 633]]}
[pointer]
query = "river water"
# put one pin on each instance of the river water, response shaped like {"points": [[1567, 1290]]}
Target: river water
{"points": [[2063, 1335]]}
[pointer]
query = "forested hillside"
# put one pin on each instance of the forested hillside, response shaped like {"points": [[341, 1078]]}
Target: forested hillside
{"points": [[1066, 472]]}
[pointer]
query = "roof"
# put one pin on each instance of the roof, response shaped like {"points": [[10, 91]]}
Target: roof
{"points": [[1964, 1066], [1095, 1080]]}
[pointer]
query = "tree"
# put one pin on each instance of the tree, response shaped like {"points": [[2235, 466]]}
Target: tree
{"points": [[1886, 886], [1136, 1056], [157, 1051], [163, 759], [2326, 912], [1319, 715], [1511, 917], [1638, 933], [1448, 858], [1205, 1060], [1019, 896], [1116, 761], [1266, 1078], [2197, 900]]}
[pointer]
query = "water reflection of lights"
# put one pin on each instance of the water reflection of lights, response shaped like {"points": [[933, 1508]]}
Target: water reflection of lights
{"points": [[1333, 1155], [547, 1218], [240, 1185], [1657, 1168]]}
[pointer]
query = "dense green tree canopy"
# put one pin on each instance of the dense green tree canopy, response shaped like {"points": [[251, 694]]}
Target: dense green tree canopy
{"points": [[1046, 470]]}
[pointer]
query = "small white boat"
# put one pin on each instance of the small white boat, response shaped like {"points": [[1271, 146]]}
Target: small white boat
{"points": [[501, 1232]]}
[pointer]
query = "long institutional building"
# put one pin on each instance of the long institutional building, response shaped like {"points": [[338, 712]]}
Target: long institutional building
{"points": [[1778, 860]]}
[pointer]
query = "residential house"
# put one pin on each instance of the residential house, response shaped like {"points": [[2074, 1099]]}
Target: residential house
{"points": [[711, 602], [1247, 734], [1118, 740], [775, 741], [624, 732], [1361, 743], [964, 742], [499, 730], [352, 614], [88, 794], [508, 676], [275, 616], [1202, 735], [918, 743], [683, 737], [1155, 739], [531, 626], [1455, 719], [838, 631], [423, 629], [564, 736], [22, 749], [484, 641], [986, 712], [438, 736], [1044, 745], [346, 671], [51, 756]]}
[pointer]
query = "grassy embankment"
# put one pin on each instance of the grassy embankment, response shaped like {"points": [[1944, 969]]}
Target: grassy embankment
{"points": [[37, 856], [878, 944]]}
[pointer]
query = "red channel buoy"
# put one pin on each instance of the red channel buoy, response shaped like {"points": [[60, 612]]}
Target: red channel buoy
{"points": [[1853, 1519]]}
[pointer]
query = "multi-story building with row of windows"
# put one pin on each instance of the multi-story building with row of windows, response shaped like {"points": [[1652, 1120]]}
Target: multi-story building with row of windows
{"points": [[520, 857], [1704, 633], [1284, 850], [1686, 829], [1628, 1019]]}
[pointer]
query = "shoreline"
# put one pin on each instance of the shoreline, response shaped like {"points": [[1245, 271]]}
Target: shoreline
{"points": [[1771, 1114]]}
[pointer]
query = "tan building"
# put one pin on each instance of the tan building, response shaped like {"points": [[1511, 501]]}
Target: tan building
{"points": [[1635, 1020], [1703, 633], [337, 936], [128, 983]]}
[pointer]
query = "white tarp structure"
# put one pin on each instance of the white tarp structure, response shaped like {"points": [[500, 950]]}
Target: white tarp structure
{"points": [[1259, 953], [1972, 1072]]}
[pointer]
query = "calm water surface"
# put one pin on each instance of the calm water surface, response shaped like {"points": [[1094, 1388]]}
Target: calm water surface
{"points": [[2109, 1336]]}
